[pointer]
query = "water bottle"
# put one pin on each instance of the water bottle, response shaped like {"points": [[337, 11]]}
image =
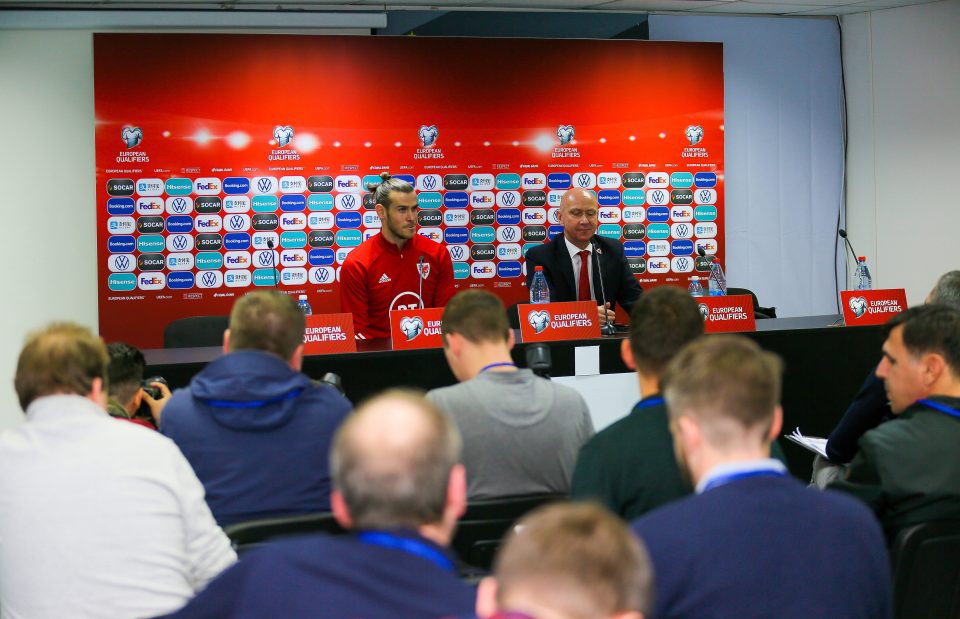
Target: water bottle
{"points": [[539, 291], [304, 305], [862, 275], [717, 282], [695, 289]]}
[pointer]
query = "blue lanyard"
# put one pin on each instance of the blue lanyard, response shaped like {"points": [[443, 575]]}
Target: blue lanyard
{"points": [[943, 408], [407, 545], [649, 402], [503, 364], [252, 403], [726, 479]]}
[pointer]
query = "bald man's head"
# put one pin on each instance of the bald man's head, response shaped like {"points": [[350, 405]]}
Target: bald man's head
{"points": [[578, 215], [391, 461]]}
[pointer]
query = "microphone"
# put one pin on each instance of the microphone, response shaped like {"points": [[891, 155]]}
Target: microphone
{"points": [[606, 328], [420, 277], [843, 235], [273, 261], [703, 254]]}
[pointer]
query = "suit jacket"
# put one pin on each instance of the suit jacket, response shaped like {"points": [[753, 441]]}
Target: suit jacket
{"points": [[620, 286]]}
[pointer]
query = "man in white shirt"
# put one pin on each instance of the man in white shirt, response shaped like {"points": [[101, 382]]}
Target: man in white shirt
{"points": [[98, 518]]}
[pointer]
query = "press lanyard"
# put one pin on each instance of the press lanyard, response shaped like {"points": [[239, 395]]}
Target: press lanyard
{"points": [[653, 401], [407, 545], [726, 479], [943, 408], [502, 364]]}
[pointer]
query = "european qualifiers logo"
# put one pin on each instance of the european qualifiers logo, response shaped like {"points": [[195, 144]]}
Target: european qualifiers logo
{"points": [[704, 311], [428, 135], [283, 136], [131, 137], [860, 306], [539, 320], [566, 136], [694, 135], [411, 327]]}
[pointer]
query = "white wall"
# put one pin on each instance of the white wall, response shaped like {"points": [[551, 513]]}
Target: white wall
{"points": [[902, 71], [46, 190], [783, 155]]}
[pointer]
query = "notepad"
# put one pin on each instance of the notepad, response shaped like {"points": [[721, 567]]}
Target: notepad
{"points": [[815, 444]]}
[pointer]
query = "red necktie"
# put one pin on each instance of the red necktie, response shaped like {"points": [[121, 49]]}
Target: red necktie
{"points": [[583, 292]]}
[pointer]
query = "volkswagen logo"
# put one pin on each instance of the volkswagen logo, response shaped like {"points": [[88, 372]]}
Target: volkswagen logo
{"points": [[180, 242], [179, 205], [455, 252], [583, 180], [429, 182], [321, 275], [236, 222], [265, 259], [349, 201], [509, 199], [122, 263], [509, 234], [264, 185], [209, 279]]}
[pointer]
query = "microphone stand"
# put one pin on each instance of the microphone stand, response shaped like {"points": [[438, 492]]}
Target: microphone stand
{"points": [[606, 328], [273, 262], [420, 278]]}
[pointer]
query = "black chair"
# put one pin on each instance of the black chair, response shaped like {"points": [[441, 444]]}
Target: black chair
{"points": [[758, 311], [926, 571], [195, 331], [486, 522], [245, 536]]}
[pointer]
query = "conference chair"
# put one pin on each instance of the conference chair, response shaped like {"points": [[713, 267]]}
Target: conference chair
{"points": [[758, 311], [195, 331], [245, 536], [486, 522], [926, 571]]}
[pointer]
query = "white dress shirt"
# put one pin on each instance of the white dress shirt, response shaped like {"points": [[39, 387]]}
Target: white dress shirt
{"points": [[99, 517], [575, 258]]}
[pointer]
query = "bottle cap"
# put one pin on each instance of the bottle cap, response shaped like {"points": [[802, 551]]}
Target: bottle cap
{"points": [[695, 278], [862, 258], [539, 268], [302, 297]]}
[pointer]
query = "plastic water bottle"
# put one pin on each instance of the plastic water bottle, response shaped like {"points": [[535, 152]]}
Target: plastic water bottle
{"points": [[695, 289], [717, 282], [539, 291], [304, 305], [862, 274]]}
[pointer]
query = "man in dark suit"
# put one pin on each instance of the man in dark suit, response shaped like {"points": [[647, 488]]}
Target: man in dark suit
{"points": [[569, 261]]}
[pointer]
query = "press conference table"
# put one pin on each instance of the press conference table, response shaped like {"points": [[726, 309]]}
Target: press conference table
{"points": [[824, 367]]}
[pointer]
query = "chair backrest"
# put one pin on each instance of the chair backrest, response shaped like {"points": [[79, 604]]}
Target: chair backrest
{"points": [[244, 536], [486, 522], [926, 571], [195, 331], [758, 312]]}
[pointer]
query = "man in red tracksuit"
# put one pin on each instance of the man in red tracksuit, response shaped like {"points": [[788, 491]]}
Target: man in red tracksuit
{"points": [[396, 269]]}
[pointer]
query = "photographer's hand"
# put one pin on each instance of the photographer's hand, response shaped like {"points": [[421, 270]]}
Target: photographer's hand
{"points": [[156, 405]]}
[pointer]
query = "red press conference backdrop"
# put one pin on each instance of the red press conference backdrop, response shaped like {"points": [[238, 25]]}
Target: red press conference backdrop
{"points": [[211, 146]]}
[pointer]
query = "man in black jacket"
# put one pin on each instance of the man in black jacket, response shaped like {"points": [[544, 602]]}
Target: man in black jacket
{"points": [[570, 261]]}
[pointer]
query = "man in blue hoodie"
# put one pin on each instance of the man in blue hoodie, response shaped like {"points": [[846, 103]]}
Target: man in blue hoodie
{"points": [[255, 429]]}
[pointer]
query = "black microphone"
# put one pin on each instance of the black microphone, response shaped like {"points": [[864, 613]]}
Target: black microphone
{"points": [[843, 235], [273, 261], [420, 277], [703, 254], [606, 328]]}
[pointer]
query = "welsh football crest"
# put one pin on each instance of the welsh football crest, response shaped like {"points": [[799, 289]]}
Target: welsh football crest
{"points": [[131, 136], [424, 269], [694, 134]]}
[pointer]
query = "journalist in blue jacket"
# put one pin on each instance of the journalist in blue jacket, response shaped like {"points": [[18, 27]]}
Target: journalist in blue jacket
{"points": [[753, 542], [255, 429], [570, 260]]}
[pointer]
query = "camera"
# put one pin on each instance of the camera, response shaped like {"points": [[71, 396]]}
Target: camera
{"points": [[154, 392]]}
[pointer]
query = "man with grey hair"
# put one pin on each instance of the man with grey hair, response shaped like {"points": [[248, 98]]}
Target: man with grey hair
{"points": [[870, 407], [396, 269], [399, 488]]}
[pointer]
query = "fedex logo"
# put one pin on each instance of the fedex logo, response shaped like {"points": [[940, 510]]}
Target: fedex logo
{"points": [[293, 257], [482, 198], [153, 281], [709, 246], [483, 270], [534, 180], [293, 221], [349, 183], [658, 265], [434, 234], [657, 180], [149, 206], [209, 223], [609, 214], [207, 186], [681, 213], [236, 259], [534, 215]]}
